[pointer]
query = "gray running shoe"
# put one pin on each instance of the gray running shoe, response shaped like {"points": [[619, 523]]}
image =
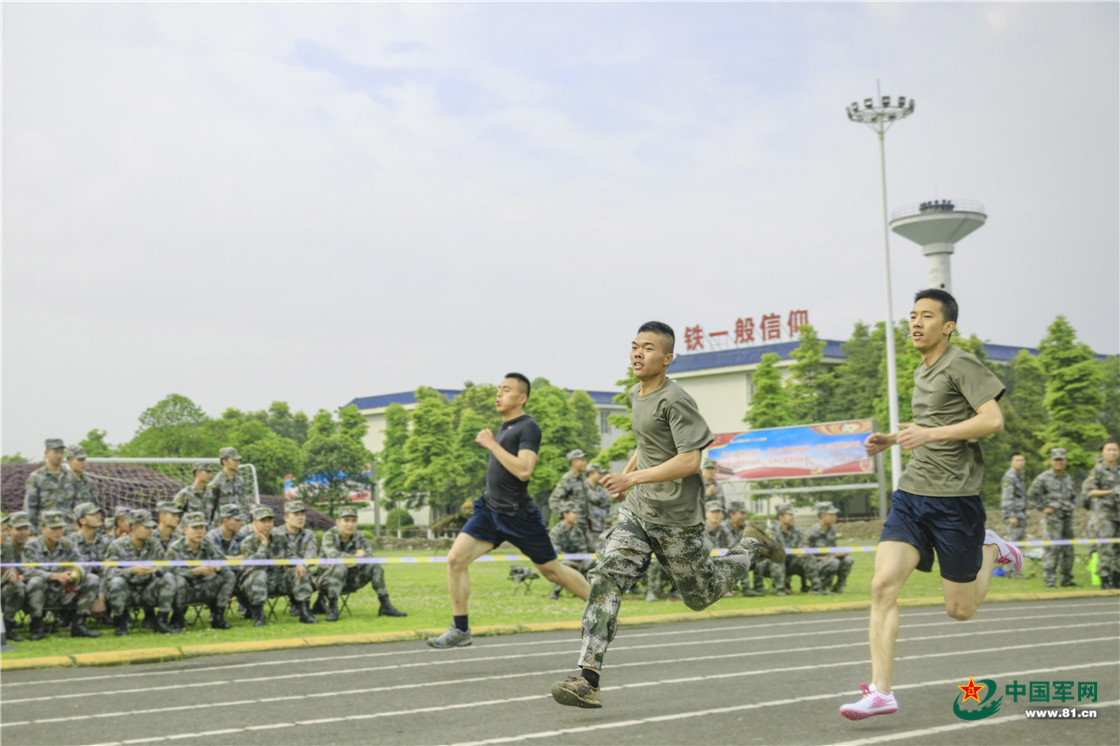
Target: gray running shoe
{"points": [[452, 638], [576, 692]]}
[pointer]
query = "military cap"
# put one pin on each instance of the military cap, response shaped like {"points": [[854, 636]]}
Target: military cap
{"points": [[81, 510], [194, 518], [826, 507], [594, 467], [713, 505], [205, 466], [229, 453], [709, 464], [348, 512], [736, 505], [1057, 453], [294, 506], [261, 512], [167, 507], [784, 508], [577, 453], [53, 443], [142, 517], [52, 519], [75, 452], [566, 507], [19, 519], [229, 510], [122, 511]]}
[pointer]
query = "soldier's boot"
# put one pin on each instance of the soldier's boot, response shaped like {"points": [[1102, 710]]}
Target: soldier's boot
{"points": [[120, 624], [246, 607], [293, 606], [161, 623], [319, 607], [218, 617], [10, 630], [332, 610], [387, 608], [149, 618], [305, 615], [258, 614], [179, 620], [37, 629], [78, 628]]}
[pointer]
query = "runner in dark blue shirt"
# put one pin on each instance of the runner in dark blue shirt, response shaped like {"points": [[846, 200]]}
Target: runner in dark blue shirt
{"points": [[505, 512]]}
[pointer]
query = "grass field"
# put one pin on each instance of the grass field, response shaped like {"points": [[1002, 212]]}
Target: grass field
{"points": [[421, 590]]}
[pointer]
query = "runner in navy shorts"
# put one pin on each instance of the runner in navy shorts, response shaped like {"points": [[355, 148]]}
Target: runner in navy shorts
{"points": [[525, 530], [951, 526]]}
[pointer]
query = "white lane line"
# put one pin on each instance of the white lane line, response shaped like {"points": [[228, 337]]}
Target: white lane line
{"points": [[601, 726], [484, 659], [955, 726], [534, 641], [480, 679]]}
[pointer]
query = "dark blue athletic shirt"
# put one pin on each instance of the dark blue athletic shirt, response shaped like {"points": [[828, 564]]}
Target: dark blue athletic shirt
{"points": [[505, 493]]}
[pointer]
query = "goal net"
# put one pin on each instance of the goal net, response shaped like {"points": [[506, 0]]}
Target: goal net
{"points": [[144, 483]]}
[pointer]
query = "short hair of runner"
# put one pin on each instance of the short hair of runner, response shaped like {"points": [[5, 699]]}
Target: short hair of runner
{"points": [[948, 303], [525, 385], [668, 338]]}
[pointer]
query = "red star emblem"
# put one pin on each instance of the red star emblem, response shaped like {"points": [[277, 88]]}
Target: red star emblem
{"points": [[971, 690]]}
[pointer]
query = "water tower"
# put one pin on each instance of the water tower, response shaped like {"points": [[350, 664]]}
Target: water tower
{"points": [[937, 226]]}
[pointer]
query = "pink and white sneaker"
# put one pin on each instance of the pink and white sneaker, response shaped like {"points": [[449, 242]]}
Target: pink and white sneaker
{"points": [[873, 702], [1006, 554]]}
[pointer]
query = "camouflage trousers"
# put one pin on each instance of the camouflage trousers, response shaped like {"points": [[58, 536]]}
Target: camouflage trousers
{"points": [[834, 568], [261, 583], [213, 590], [42, 593], [1015, 533], [121, 595], [1108, 555], [657, 580], [701, 579], [803, 566], [1057, 562], [334, 580], [12, 598]]}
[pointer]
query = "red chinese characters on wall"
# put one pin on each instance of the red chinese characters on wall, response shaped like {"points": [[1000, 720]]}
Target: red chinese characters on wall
{"points": [[768, 329]]}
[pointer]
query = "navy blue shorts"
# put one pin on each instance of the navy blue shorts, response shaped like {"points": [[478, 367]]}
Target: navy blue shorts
{"points": [[525, 530], [953, 526]]}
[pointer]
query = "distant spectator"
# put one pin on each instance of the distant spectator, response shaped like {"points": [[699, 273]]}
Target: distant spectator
{"points": [[833, 568], [46, 486]]}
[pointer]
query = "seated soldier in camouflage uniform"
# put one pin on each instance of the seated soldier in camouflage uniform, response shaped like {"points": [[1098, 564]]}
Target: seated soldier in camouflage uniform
{"points": [[54, 586], [208, 584], [79, 485], [91, 544], [227, 537], [789, 536], [197, 497], [167, 528], [121, 525], [568, 537], [713, 490], [14, 593], [341, 541], [261, 582], [717, 535], [301, 545], [832, 568], [45, 488], [573, 488], [140, 586], [600, 501]]}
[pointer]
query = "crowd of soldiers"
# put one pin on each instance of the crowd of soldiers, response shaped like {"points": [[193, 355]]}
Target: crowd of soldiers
{"points": [[207, 520], [1055, 493]]}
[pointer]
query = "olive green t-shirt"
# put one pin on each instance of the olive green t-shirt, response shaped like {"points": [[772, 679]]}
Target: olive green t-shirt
{"points": [[666, 423], [945, 393]]}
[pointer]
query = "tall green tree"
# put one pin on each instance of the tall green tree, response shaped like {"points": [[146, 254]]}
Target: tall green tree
{"points": [[810, 383], [548, 405], [335, 460], [391, 459], [272, 456], [1073, 395], [282, 421], [173, 427], [624, 445], [586, 415], [95, 445], [1110, 395], [856, 379], [431, 468], [770, 405]]}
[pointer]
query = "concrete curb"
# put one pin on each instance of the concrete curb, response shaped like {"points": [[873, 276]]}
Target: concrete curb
{"points": [[152, 655]]}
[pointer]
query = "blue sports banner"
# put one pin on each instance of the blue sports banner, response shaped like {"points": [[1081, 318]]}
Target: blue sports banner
{"points": [[826, 450]]}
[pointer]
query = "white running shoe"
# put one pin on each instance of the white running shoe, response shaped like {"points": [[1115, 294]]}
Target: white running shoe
{"points": [[1006, 554], [873, 702]]}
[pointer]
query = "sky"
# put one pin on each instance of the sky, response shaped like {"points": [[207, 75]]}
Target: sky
{"points": [[244, 203]]}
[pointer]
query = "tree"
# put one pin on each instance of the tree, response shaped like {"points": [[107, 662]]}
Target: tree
{"points": [[810, 383], [12, 458], [272, 456], [856, 379], [770, 405], [548, 405], [335, 461], [1110, 395], [431, 468], [95, 445], [281, 421], [173, 427], [391, 459], [624, 444], [586, 415], [1073, 395]]}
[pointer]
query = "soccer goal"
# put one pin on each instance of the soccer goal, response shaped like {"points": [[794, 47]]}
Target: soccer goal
{"points": [[146, 482]]}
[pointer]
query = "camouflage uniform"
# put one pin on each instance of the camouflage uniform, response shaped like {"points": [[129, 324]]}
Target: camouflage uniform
{"points": [[213, 590], [335, 580], [190, 500], [43, 592], [14, 589], [1105, 520], [1013, 503], [261, 583], [829, 566], [230, 490], [126, 589], [301, 546], [165, 544], [804, 565], [572, 488], [570, 541], [600, 501], [701, 578], [721, 537], [1050, 490], [717, 495], [93, 551], [46, 491], [82, 490]]}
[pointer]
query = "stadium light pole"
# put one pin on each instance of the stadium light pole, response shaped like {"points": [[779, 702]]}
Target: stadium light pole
{"points": [[879, 114]]}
